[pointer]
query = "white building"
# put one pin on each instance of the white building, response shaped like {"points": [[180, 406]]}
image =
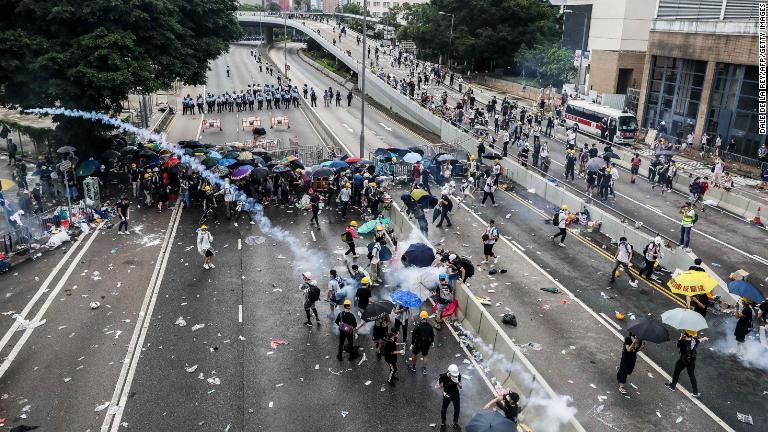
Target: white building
{"points": [[378, 7]]}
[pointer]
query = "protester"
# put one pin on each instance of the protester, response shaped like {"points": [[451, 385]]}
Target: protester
{"points": [[489, 238], [632, 345], [651, 255], [559, 221], [311, 296], [623, 258], [347, 324], [506, 401], [450, 383], [391, 352], [422, 338], [687, 345], [348, 236], [204, 246], [122, 213]]}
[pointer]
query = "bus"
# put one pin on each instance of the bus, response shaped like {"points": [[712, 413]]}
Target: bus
{"points": [[586, 117]]}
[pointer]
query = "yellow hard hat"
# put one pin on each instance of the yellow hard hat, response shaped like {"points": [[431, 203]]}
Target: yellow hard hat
{"points": [[423, 314], [379, 228], [691, 333], [372, 184], [365, 280], [348, 185], [146, 176], [206, 188], [347, 302], [394, 159], [619, 316], [498, 161], [298, 170], [353, 224], [564, 207], [471, 158], [204, 227]]}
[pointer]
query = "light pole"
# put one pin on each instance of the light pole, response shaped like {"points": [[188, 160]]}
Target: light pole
{"points": [[362, 83], [450, 38], [285, 44], [583, 47]]}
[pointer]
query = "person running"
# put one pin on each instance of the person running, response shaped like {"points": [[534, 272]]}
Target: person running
{"points": [[623, 257], [380, 334], [488, 189], [205, 247], [489, 238], [687, 345], [634, 167], [363, 294], [651, 255], [335, 293], [450, 383], [314, 207], [122, 212], [445, 205], [348, 236], [422, 338], [311, 296], [688, 219], [632, 345], [391, 353], [347, 324], [559, 221], [507, 401]]}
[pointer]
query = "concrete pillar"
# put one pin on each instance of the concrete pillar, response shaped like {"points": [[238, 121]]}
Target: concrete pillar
{"points": [[644, 92], [269, 35], [706, 93]]}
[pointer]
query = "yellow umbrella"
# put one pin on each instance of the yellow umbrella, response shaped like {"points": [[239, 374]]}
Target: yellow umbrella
{"points": [[7, 184], [691, 283], [417, 194]]}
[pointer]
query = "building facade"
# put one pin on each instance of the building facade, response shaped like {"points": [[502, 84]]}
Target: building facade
{"points": [[378, 8], [701, 71]]}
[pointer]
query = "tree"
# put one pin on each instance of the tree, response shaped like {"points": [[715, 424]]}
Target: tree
{"points": [[548, 63], [92, 55], [486, 33]]}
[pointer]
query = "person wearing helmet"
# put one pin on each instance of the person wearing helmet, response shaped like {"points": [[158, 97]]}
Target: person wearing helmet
{"points": [[444, 295], [392, 165], [363, 293], [348, 236], [559, 221], [380, 234], [651, 254], [507, 401], [205, 247], [347, 324], [373, 255], [345, 194], [450, 383], [311, 295], [686, 345], [209, 201], [422, 338]]}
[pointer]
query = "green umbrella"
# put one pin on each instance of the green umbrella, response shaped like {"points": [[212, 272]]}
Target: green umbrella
{"points": [[210, 162]]}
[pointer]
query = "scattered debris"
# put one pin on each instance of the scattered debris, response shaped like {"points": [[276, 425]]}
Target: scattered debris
{"points": [[214, 380], [191, 368], [102, 407], [274, 343], [197, 327], [94, 305], [744, 418], [344, 413], [180, 322], [552, 290]]}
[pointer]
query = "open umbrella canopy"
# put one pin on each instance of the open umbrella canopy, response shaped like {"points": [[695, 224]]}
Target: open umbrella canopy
{"points": [[335, 164], [200, 151], [232, 155], [406, 298], [87, 168], [147, 152], [352, 160], [684, 319], [648, 330], [171, 162], [215, 154], [743, 288], [110, 155], [595, 164], [296, 164], [363, 162], [220, 170], [385, 153], [65, 149], [210, 162], [490, 421], [385, 254], [611, 155], [419, 255], [412, 157], [245, 155], [418, 194], [691, 283], [322, 172], [241, 171], [377, 310], [492, 155], [279, 169], [371, 225], [128, 149], [259, 161], [260, 172], [227, 162]]}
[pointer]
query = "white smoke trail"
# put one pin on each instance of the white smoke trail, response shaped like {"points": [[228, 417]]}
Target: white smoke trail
{"points": [[752, 353], [551, 413]]}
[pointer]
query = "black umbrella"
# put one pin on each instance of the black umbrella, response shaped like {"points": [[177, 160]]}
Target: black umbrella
{"points": [[595, 164], [490, 421], [611, 155], [322, 172], [65, 149], [377, 310], [128, 149], [260, 172], [110, 155], [146, 152], [492, 155], [436, 214], [281, 169], [648, 330], [259, 161]]}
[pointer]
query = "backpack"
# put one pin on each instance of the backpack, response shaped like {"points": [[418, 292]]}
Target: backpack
{"points": [[449, 207], [345, 236], [467, 265], [556, 219], [445, 295], [314, 293]]}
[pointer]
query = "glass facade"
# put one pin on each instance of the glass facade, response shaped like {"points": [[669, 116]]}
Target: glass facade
{"points": [[674, 93], [732, 109]]}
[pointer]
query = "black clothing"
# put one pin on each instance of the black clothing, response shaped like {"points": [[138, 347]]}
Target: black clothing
{"points": [[390, 347], [744, 324], [363, 295], [627, 363], [450, 386]]}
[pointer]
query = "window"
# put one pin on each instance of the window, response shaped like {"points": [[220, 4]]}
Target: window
{"points": [[386, 4], [627, 123], [376, 4], [674, 93]]}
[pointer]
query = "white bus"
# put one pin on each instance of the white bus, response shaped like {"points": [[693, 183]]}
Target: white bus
{"points": [[586, 117]]}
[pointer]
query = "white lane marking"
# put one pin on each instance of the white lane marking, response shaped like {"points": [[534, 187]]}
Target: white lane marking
{"points": [[125, 379], [43, 288], [714, 239], [615, 332], [386, 127], [240, 313], [239, 244], [518, 246], [610, 321], [313, 236], [48, 301], [348, 128]]}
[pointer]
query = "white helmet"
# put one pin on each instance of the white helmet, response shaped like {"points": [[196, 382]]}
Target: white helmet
{"points": [[451, 257], [306, 275], [453, 370], [657, 240]]}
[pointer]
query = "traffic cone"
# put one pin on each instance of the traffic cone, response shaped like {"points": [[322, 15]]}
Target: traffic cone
{"points": [[756, 219]]}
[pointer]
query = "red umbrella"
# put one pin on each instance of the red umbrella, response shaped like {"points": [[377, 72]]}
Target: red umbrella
{"points": [[171, 162], [352, 160]]}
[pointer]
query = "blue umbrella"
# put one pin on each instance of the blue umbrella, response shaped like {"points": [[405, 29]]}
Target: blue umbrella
{"points": [[743, 288], [405, 298], [215, 154], [227, 162], [490, 421], [419, 255], [335, 164]]}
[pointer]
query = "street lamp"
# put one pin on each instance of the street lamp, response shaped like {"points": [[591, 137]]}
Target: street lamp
{"points": [[285, 43], [362, 82], [450, 39], [583, 43]]}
